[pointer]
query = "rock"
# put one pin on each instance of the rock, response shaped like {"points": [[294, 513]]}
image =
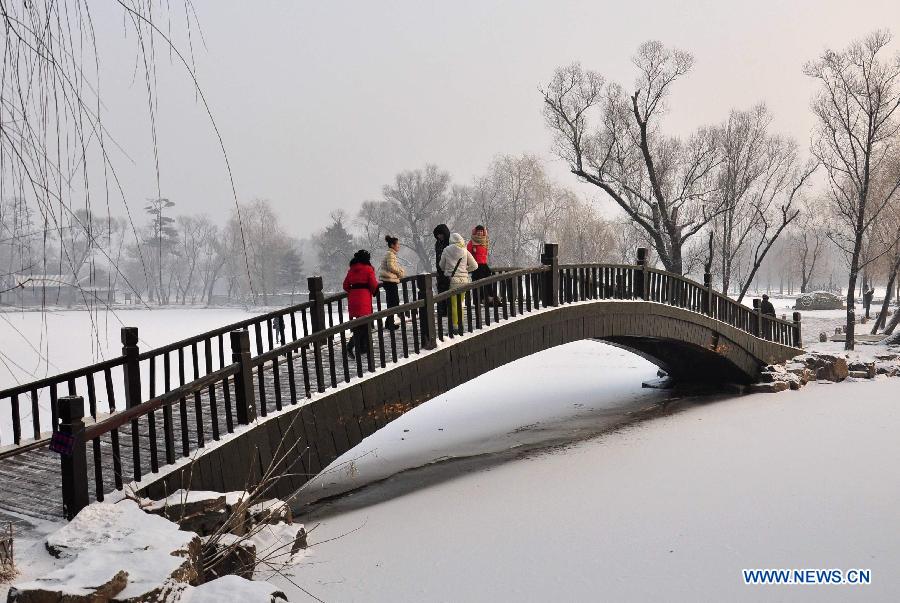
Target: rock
{"points": [[882, 368], [271, 511], [66, 585], [105, 540], [769, 377], [859, 374], [795, 384], [204, 512], [226, 555], [862, 367], [767, 388], [889, 356], [829, 368], [659, 383], [802, 373]]}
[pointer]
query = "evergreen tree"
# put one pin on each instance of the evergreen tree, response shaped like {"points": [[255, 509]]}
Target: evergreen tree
{"points": [[334, 246], [290, 270]]}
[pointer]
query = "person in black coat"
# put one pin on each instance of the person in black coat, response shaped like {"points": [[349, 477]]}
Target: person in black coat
{"points": [[766, 309], [441, 240], [867, 300]]}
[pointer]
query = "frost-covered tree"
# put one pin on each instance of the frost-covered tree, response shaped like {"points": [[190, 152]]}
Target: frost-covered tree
{"points": [[857, 108], [614, 141]]}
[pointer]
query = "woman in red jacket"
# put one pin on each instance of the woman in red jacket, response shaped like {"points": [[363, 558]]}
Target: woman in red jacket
{"points": [[360, 285], [478, 247]]}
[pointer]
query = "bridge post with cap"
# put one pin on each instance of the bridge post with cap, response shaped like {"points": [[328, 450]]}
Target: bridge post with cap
{"points": [[73, 464], [798, 340], [756, 327], [244, 395], [707, 294], [550, 288], [317, 319], [427, 315], [317, 297], [132, 367], [642, 284]]}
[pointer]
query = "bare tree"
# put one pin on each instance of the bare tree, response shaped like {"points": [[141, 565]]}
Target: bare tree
{"points": [[807, 240], [664, 184], [585, 236], [758, 181], [195, 234], [857, 109], [416, 202], [886, 236]]}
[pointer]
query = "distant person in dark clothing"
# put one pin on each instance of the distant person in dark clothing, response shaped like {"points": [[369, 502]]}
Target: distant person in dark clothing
{"points": [[441, 241], [278, 324], [867, 300], [360, 285], [766, 309]]}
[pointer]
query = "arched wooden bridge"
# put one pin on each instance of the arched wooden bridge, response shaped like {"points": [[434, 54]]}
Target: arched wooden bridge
{"points": [[195, 416]]}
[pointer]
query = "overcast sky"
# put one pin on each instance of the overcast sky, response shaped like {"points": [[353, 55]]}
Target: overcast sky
{"points": [[321, 103]]}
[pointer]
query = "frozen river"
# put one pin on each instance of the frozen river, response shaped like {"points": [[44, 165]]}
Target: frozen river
{"points": [[671, 509]]}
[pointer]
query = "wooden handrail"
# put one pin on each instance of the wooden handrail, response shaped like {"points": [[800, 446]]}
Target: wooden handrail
{"points": [[62, 377], [171, 397], [322, 336], [445, 295]]}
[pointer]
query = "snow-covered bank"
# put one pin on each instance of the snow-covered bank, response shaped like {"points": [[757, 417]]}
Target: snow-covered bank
{"points": [[671, 509]]}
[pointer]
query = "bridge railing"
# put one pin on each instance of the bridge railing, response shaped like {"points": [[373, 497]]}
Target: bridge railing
{"points": [[30, 410], [581, 282], [198, 388]]}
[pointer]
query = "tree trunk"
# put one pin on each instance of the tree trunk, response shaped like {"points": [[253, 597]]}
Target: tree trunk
{"points": [[882, 316]]}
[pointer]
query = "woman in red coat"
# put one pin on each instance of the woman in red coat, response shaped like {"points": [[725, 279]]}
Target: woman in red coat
{"points": [[478, 247], [360, 285]]}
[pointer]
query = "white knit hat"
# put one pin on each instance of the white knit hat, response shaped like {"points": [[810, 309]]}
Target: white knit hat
{"points": [[456, 239]]}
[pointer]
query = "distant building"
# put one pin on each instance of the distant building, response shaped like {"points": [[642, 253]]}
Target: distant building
{"points": [[56, 290]]}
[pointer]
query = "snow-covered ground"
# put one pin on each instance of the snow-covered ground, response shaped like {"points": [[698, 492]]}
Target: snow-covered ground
{"points": [[545, 501], [669, 510]]}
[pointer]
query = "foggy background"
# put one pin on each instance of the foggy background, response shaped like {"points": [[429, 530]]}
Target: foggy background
{"points": [[320, 104]]}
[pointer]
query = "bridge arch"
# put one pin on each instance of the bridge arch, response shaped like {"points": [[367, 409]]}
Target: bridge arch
{"points": [[687, 344], [287, 398]]}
